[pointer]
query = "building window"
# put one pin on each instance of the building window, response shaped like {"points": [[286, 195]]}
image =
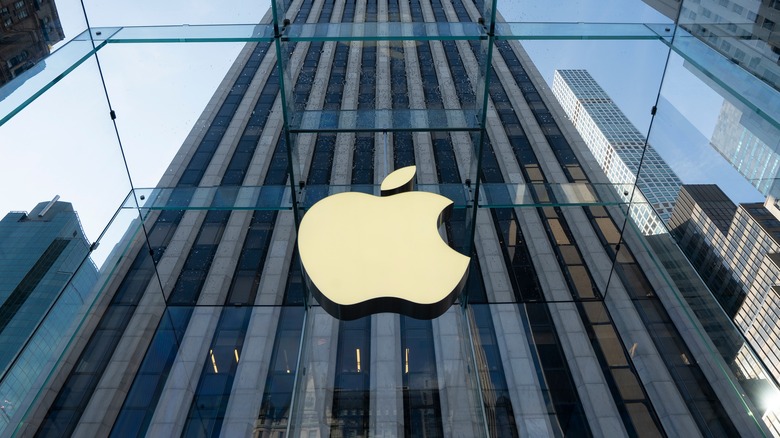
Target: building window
{"points": [[8, 22], [4, 11], [21, 15], [18, 59], [19, 4]]}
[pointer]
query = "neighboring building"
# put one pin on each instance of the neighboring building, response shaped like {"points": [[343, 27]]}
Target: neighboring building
{"points": [[701, 212], [571, 328], [45, 277], [618, 147], [28, 29], [745, 31], [736, 251], [753, 149]]}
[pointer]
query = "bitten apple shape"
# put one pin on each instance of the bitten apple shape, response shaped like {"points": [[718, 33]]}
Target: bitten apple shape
{"points": [[364, 254]]}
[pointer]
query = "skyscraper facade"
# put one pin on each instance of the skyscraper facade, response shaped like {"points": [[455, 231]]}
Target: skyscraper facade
{"points": [[567, 325], [619, 149], [44, 281], [750, 148], [735, 250]]}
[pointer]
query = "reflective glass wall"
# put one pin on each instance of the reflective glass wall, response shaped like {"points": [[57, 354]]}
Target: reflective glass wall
{"points": [[191, 140]]}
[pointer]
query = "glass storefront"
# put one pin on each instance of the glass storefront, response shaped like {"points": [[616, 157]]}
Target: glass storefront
{"points": [[191, 152]]}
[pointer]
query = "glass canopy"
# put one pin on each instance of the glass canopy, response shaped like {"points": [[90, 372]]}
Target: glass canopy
{"points": [[98, 121]]}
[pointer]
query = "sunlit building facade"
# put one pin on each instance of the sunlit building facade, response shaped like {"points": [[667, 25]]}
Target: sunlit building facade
{"points": [[735, 250], [619, 149], [568, 326]]}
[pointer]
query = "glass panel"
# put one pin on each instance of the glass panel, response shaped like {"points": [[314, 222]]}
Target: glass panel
{"points": [[30, 31], [189, 34], [728, 76], [721, 221], [197, 12], [64, 144], [156, 117], [580, 286], [613, 11], [681, 301], [393, 360], [441, 31], [384, 120], [742, 33], [19, 92], [583, 31], [53, 297]]}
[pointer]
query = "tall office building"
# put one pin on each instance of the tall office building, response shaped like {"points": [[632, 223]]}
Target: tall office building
{"points": [[619, 149], [205, 327], [44, 280], [735, 249]]}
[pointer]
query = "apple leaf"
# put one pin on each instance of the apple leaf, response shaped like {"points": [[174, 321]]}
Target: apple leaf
{"points": [[399, 181]]}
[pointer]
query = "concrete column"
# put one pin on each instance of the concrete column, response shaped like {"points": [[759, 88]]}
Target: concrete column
{"points": [[345, 142], [386, 418], [386, 403]]}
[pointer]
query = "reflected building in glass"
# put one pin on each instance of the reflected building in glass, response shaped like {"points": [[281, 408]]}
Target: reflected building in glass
{"points": [[749, 146], [619, 149], [744, 31], [568, 327], [39, 253]]}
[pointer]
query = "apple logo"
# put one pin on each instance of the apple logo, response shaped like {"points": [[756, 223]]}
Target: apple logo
{"points": [[365, 254]]}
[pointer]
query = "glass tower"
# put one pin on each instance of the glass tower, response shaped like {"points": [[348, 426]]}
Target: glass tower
{"points": [[39, 253]]}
